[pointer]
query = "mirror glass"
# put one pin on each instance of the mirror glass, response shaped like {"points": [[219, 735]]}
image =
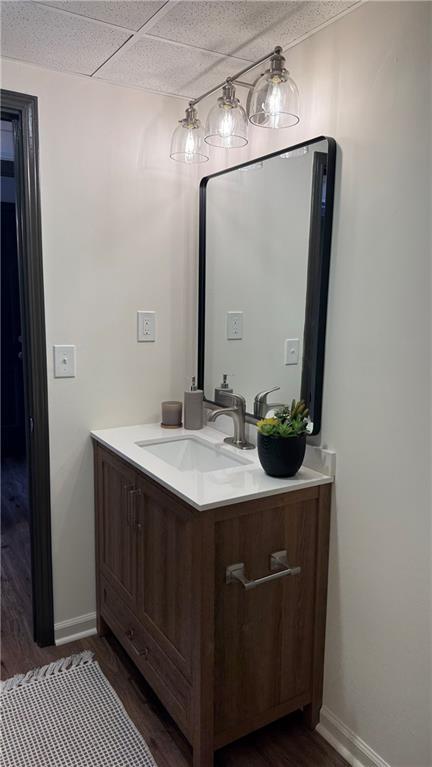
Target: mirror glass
{"points": [[264, 256]]}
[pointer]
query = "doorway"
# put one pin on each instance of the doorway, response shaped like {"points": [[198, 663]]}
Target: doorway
{"points": [[25, 499]]}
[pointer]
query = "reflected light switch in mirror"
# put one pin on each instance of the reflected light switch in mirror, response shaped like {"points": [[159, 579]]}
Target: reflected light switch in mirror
{"points": [[291, 356], [234, 326]]}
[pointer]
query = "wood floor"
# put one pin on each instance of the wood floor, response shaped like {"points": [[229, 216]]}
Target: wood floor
{"points": [[286, 743]]}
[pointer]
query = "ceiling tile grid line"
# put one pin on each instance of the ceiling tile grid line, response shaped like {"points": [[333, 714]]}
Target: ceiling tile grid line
{"points": [[66, 11], [163, 8], [144, 33], [108, 58], [161, 65], [175, 47], [126, 14], [37, 34], [244, 28]]}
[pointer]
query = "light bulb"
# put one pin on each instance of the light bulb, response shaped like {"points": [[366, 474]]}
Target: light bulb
{"points": [[273, 103], [187, 143], [226, 124], [190, 146]]}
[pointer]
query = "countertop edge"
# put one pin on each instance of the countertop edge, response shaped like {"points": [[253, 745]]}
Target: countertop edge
{"points": [[320, 480]]}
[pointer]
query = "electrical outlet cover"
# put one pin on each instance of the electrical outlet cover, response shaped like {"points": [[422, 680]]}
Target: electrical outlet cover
{"points": [[146, 326], [234, 326]]}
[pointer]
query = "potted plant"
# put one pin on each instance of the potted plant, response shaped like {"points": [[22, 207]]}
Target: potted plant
{"points": [[282, 440]]}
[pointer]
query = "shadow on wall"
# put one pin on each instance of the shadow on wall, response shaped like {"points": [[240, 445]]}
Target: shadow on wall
{"points": [[178, 209]]}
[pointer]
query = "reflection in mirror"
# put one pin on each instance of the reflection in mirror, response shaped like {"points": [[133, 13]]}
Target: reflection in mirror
{"points": [[265, 240]]}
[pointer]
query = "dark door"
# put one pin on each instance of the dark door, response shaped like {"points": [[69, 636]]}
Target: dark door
{"points": [[25, 374], [12, 390]]}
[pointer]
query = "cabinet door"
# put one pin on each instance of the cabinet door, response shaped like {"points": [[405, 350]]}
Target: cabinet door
{"points": [[164, 602], [264, 636], [117, 537]]}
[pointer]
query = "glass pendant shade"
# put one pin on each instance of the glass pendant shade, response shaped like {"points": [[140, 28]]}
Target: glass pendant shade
{"points": [[187, 143], [274, 104], [227, 123], [274, 101]]}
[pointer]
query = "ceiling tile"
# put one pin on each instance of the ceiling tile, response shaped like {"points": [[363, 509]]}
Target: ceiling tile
{"points": [[246, 28], [162, 66], [125, 13], [56, 40]]}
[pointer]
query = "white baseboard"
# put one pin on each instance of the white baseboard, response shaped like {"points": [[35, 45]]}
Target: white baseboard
{"points": [[349, 745], [75, 628]]}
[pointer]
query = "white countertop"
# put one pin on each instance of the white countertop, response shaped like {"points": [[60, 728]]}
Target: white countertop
{"points": [[206, 490]]}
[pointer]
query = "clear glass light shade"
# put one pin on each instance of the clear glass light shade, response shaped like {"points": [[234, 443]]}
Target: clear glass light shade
{"points": [[227, 125], [188, 145], [274, 102]]}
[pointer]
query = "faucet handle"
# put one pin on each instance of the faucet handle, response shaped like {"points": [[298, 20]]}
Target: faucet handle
{"points": [[261, 399], [237, 400]]}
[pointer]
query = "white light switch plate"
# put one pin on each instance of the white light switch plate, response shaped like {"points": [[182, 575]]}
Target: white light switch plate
{"points": [[64, 361], [146, 326], [292, 349], [234, 325]]}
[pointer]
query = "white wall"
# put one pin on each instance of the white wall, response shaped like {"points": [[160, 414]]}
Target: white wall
{"points": [[366, 81], [118, 235]]}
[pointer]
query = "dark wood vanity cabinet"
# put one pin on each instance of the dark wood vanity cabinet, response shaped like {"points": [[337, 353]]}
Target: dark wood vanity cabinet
{"points": [[224, 659]]}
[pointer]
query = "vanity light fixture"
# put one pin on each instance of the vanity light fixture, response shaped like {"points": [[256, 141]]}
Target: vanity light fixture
{"points": [[272, 103], [187, 143], [227, 122]]}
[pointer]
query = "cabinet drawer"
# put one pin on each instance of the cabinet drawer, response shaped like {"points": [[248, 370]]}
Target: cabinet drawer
{"points": [[170, 685]]}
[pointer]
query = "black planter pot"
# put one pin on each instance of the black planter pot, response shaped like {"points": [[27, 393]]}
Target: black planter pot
{"points": [[281, 456]]}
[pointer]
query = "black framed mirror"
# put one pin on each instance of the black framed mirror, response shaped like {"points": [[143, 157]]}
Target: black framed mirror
{"points": [[264, 258]]}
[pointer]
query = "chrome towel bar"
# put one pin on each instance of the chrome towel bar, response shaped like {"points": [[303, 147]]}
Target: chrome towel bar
{"points": [[278, 564]]}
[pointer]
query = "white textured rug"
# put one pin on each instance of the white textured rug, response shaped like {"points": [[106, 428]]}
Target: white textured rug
{"points": [[66, 714]]}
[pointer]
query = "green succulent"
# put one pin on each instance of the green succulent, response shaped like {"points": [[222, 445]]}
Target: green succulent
{"points": [[288, 421]]}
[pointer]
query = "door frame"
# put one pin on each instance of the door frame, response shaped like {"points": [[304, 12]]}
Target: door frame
{"points": [[22, 109]]}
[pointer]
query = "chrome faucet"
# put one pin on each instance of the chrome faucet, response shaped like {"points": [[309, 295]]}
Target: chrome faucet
{"points": [[237, 411], [261, 406]]}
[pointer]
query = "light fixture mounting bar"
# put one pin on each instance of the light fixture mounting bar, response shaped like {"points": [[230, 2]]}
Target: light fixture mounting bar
{"points": [[243, 84], [235, 78]]}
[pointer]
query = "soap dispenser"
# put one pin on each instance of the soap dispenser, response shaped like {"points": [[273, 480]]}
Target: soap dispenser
{"points": [[221, 390], [193, 407]]}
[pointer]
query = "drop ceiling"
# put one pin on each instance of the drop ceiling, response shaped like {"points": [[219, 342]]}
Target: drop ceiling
{"points": [[179, 47]]}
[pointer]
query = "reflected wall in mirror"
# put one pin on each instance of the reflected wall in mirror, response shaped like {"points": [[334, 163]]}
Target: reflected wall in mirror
{"points": [[265, 232]]}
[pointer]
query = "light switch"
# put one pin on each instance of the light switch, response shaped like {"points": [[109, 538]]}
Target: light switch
{"points": [[234, 326], [146, 326], [292, 348], [64, 361]]}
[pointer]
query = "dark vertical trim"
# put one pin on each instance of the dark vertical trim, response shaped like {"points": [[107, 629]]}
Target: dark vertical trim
{"points": [[22, 110], [317, 290], [202, 282]]}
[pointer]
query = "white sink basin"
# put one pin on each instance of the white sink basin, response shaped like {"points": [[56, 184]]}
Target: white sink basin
{"points": [[192, 454]]}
